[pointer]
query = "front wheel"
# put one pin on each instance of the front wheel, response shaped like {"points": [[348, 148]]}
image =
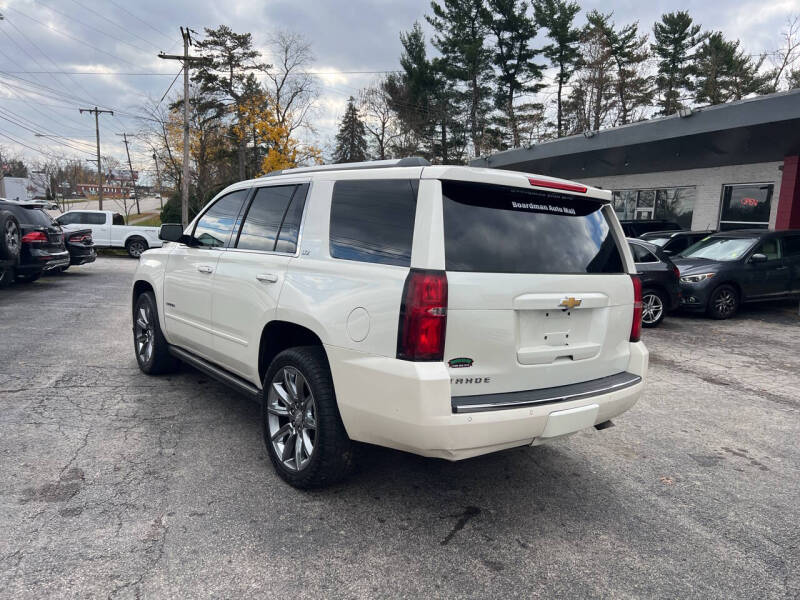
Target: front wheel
{"points": [[723, 302], [136, 247], [152, 349], [303, 431], [653, 308]]}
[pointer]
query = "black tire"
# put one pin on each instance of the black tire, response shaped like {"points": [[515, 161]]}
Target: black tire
{"points": [[292, 414], [147, 329], [654, 307], [723, 302], [136, 246], [27, 277], [6, 277], [10, 237]]}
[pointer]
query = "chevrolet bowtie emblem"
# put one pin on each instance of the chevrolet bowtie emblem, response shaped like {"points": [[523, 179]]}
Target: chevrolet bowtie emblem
{"points": [[569, 303]]}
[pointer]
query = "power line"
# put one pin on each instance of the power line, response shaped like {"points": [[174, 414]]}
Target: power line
{"points": [[122, 27], [92, 27], [122, 8], [72, 37]]}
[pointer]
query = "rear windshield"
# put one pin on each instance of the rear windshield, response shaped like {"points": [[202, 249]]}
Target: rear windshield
{"points": [[30, 216], [498, 229]]}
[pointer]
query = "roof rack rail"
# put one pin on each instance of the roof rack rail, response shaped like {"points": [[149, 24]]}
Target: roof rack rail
{"points": [[409, 161]]}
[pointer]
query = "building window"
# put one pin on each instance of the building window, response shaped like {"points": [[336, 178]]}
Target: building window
{"points": [[745, 206], [668, 204]]}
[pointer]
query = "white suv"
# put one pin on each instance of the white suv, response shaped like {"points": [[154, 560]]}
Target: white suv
{"points": [[445, 311]]}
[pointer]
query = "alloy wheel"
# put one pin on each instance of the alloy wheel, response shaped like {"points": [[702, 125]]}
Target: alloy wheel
{"points": [[12, 238], [652, 308], [724, 302], [291, 418], [144, 333], [136, 249]]}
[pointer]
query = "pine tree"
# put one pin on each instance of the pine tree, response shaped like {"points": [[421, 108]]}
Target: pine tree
{"points": [[676, 38], [557, 17], [411, 94], [351, 143], [725, 72], [230, 57], [793, 80], [634, 89], [461, 29], [513, 56]]}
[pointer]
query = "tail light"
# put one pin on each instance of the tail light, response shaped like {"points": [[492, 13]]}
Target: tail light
{"points": [[34, 237], [558, 185], [676, 271], [81, 238], [636, 326], [423, 316]]}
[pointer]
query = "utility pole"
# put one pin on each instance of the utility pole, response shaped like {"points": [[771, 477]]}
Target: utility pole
{"points": [[130, 168], [158, 181], [97, 112], [187, 61]]}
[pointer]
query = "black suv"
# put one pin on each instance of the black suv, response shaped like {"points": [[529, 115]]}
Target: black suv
{"points": [[660, 281], [674, 242], [723, 270], [41, 243]]}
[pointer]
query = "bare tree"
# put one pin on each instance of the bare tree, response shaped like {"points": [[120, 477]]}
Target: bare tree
{"points": [[785, 57], [291, 87], [379, 119]]}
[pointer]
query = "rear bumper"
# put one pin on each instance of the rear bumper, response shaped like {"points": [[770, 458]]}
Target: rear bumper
{"points": [[42, 260], [82, 255], [408, 406]]}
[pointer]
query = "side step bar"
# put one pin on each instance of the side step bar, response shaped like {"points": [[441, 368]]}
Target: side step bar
{"points": [[218, 373]]}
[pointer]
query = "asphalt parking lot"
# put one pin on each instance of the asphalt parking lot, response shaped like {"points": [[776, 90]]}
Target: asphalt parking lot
{"points": [[115, 484]]}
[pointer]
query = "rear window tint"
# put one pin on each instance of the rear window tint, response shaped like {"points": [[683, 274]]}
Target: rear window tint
{"points": [[498, 229], [373, 221], [30, 216]]}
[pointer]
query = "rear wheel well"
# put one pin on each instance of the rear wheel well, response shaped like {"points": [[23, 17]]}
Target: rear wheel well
{"points": [[278, 336], [136, 237]]}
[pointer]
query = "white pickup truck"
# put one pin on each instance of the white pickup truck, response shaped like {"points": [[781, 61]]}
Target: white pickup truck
{"points": [[109, 230]]}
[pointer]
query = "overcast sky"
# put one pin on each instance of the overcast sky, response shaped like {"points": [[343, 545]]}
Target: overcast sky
{"points": [[60, 46]]}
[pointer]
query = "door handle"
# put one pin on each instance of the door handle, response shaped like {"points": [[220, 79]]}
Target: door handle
{"points": [[205, 269], [267, 277]]}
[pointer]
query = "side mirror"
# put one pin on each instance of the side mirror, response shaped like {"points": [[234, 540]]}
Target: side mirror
{"points": [[170, 232], [758, 258]]}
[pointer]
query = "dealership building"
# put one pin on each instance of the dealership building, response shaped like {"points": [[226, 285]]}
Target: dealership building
{"points": [[729, 166]]}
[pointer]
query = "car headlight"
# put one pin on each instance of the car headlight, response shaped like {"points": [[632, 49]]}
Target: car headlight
{"points": [[696, 278]]}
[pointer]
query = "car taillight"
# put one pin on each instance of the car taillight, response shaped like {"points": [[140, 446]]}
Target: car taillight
{"points": [[81, 238], [423, 316], [676, 271], [34, 237], [636, 326]]}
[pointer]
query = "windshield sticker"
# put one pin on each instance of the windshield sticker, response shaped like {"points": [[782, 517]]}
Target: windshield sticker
{"points": [[548, 208]]}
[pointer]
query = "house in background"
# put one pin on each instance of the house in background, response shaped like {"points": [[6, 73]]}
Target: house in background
{"points": [[729, 166]]}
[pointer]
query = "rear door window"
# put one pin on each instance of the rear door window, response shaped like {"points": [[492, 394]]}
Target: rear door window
{"points": [[373, 221], [215, 226], [272, 220], [92, 218], [791, 246], [642, 254], [499, 229]]}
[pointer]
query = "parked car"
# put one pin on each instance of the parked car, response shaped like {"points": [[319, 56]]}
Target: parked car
{"points": [[660, 281], [635, 228], [674, 242], [80, 246], [41, 242], [109, 230], [722, 271], [445, 311]]}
